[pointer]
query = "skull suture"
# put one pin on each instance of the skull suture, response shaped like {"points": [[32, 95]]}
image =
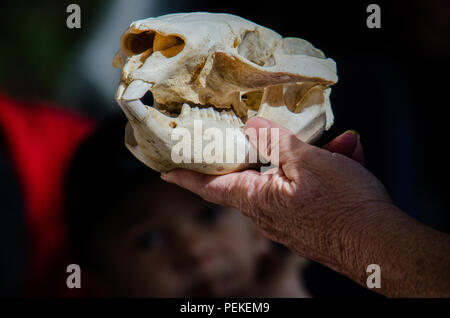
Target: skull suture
{"points": [[221, 69]]}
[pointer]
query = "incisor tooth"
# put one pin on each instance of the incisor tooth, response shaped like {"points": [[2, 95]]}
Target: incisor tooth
{"points": [[136, 90], [137, 109]]}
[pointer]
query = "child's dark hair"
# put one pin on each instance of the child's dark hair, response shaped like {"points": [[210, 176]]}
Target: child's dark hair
{"points": [[103, 174]]}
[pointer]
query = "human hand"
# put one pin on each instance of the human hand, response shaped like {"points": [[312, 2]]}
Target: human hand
{"points": [[306, 203]]}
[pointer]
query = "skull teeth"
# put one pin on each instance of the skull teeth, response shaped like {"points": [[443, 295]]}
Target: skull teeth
{"points": [[194, 112], [137, 109], [188, 112]]}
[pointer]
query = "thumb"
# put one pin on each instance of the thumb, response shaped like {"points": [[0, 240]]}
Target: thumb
{"points": [[273, 142], [347, 144]]}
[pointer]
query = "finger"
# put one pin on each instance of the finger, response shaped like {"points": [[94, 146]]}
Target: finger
{"points": [[358, 153], [272, 141], [232, 189], [347, 144]]}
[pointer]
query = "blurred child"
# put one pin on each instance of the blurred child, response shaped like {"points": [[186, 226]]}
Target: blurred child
{"points": [[139, 236]]}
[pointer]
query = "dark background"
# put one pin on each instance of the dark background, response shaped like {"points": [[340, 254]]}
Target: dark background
{"points": [[392, 85]]}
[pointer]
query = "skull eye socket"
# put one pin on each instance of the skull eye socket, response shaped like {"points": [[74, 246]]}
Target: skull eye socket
{"points": [[136, 43]]}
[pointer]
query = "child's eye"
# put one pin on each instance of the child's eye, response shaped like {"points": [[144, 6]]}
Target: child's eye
{"points": [[211, 215], [149, 240]]}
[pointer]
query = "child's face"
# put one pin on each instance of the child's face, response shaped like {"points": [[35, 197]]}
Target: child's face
{"points": [[169, 243]]}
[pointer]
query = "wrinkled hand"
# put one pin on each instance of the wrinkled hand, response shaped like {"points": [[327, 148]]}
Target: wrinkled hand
{"points": [[308, 202]]}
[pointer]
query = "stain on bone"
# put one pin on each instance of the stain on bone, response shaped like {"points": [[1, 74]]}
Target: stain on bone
{"points": [[252, 99], [118, 61], [229, 73], [313, 96], [296, 96], [169, 45], [273, 96]]}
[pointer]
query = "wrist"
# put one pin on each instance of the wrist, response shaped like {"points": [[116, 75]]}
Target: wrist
{"points": [[410, 255], [359, 238]]}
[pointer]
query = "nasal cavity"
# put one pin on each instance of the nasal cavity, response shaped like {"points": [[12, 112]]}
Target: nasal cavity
{"points": [[136, 43], [151, 41]]}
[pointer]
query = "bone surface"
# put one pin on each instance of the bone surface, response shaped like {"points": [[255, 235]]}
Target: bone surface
{"points": [[220, 70]]}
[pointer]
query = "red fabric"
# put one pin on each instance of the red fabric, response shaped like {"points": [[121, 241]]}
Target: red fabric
{"points": [[41, 140]]}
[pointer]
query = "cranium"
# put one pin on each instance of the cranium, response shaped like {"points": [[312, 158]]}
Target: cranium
{"points": [[221, 69]]}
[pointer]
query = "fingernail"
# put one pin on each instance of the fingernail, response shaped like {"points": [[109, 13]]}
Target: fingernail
{"points": [[164, 176], [354, 133]]}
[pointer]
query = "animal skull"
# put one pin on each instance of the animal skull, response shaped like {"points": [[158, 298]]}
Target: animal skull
{"points": [[221, 69]]}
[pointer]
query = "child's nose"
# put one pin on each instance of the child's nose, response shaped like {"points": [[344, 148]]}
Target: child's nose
{"points": [[193, 249]]}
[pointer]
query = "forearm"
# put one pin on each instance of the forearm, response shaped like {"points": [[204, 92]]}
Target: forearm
{"points": [[414, 259]]}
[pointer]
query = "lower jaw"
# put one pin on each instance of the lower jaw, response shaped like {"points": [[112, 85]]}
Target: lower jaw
{"points": [[182, 111]]}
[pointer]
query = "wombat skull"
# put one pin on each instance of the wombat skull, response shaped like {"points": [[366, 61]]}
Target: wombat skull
{"points": [[221, 69]]}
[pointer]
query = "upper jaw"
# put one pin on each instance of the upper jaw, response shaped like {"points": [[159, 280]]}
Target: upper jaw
{"points": [[128, 97]]}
